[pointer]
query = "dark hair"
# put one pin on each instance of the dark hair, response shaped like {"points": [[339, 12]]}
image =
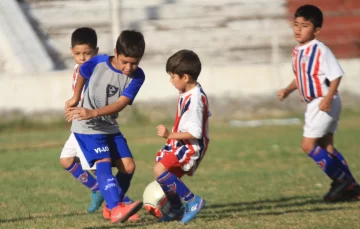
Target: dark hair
{"points": [[84, 36], [184, 62], [130, 43], [310, 13]]}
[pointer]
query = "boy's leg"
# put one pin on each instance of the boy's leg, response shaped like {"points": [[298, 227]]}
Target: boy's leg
{"points": [[124, 180], [96, 150], [175, 188], [352, 192], [317, 125], [327, 142], [123, 160], [69, 163], [330, 166]]}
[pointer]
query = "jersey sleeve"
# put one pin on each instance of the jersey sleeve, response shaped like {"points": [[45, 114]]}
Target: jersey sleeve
{"points": [[330, 66], [133, 88], [194, 119], [87, 68]]}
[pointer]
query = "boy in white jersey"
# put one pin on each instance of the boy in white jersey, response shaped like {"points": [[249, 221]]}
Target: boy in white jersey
{"points": [[317, 77], [187, 143], [111, 83], [83, 48]]}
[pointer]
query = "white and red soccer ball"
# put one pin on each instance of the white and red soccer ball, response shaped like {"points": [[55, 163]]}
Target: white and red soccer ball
{"points": [[155, 201]]}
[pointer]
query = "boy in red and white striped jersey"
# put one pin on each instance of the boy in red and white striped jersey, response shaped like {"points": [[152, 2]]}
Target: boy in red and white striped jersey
{"points": [[188, 141], [317, 77]]}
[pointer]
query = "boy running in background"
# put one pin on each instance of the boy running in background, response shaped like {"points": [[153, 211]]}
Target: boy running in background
{"points": [[317, 78]]}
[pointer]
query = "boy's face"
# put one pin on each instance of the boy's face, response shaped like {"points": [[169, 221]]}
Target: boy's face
{"points": [[304, 30], [83, 53], [125, 64], [177, 82]]}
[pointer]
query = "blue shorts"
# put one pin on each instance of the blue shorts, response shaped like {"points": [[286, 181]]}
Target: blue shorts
{"points": [[99, 146]]}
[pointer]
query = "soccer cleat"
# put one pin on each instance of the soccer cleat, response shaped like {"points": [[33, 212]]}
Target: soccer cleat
{"points": [[337, 190], [107, 215], [352, 194], [174, 214], [96, 200], [123, 212], [192, 208]]}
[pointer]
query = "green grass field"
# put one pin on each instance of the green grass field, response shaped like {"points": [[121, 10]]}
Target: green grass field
{"points": [[250, 178]]}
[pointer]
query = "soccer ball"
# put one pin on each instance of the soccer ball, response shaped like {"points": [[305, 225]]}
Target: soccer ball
{"points": [[155, 201]]}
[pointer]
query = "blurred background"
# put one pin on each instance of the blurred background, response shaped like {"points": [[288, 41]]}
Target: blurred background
{"points": [[245, 47]]}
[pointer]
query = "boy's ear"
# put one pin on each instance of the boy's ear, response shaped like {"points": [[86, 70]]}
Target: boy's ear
{"points": [[187, 78], [71, 50], [96, 50], [115, 53], [317, 31]]}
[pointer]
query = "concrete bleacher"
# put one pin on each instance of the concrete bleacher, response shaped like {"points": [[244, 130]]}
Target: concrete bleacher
{"points": [[221, 31], [21, 50]]}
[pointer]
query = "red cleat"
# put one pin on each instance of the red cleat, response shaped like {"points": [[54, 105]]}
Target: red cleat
{"points": [[107, 215], [123, 212]]}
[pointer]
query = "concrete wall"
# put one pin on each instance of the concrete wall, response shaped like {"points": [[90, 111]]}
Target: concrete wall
{"points": [[49, 91]]}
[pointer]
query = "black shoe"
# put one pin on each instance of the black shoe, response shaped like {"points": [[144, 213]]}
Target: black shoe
{"points": [[353, 193], [337, 189]]}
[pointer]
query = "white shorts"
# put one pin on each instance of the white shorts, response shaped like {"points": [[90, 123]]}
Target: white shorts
{"points": [[319, 123], [72, 149]]}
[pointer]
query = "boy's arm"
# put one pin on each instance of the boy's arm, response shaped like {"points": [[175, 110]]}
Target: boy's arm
{"points": [[283, 93], [192, 127], [125, 99], [164, 133], [291, 87], [113, 108], [81, 113], [325, 104], [80, 82]]}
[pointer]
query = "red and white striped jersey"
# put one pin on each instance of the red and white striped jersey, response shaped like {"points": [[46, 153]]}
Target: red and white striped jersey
{"points": [[314, 66], [75, 76], [192, 115]]}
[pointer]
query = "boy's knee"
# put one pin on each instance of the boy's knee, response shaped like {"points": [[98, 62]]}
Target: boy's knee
{"points": [[125, 165], [66, 162], [159, 169], [306, 147], [130, 167]]}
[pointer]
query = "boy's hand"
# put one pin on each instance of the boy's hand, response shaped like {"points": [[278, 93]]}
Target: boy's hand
{"points": [[282, 94], [162, 131], [325, 104], [73, 102], [79, 113]]}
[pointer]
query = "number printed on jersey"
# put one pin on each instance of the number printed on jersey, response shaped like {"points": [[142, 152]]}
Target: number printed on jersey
{"points": [[101, 149]]}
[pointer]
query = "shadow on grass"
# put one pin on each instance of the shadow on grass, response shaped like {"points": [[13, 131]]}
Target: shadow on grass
{"points": [[138, 224], [40, 217], [281, 206]]}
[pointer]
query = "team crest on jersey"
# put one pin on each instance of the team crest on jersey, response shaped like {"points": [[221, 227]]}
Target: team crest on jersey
{"points": [[111, 90], [304, 59], [83, 177], [172, 188], [321, 164]]}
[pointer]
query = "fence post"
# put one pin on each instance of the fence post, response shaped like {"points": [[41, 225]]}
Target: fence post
{"points": [[115, 9]]}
